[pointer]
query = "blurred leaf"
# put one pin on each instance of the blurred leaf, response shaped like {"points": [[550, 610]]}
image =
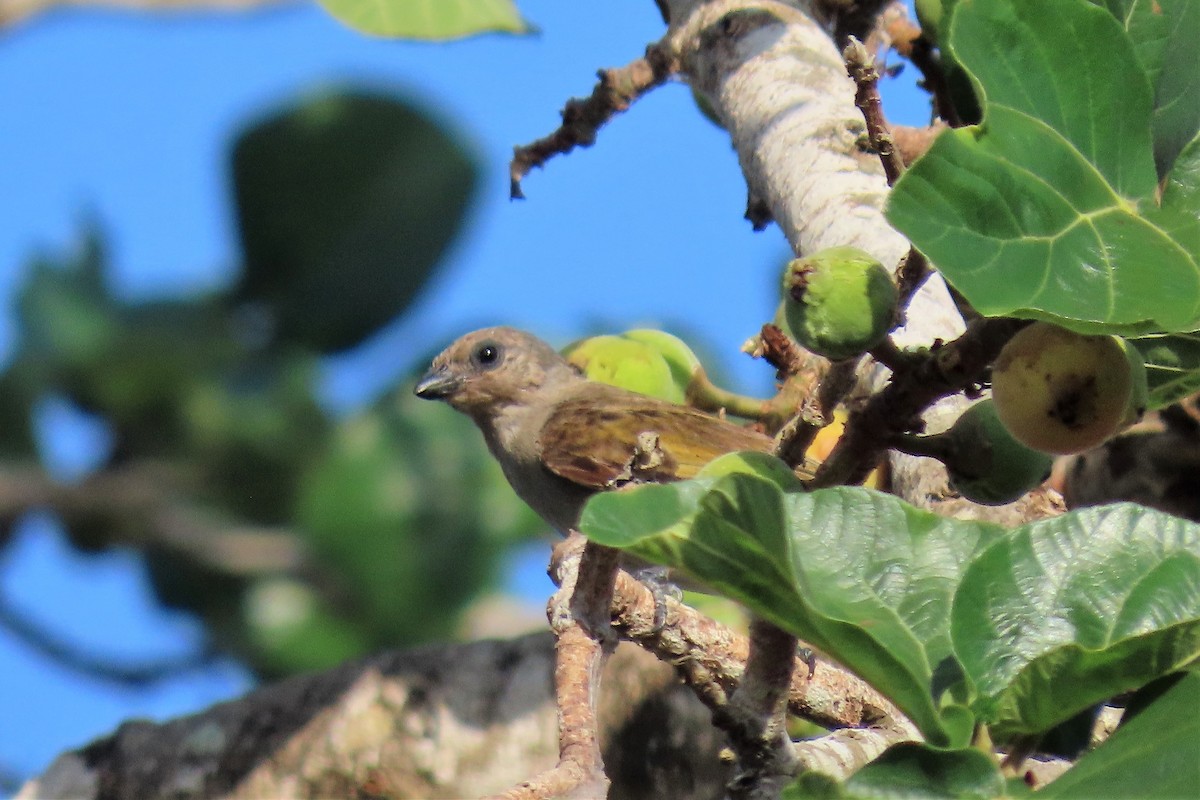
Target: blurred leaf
{"points": [[428, 19], [1049, 208], [18, 392], [253, 431], [64, 313], [290, 629], [131, 364], [1070, 611], [917, 771], [1172, 366], [1155, 755], [346, 203], [410, 514], [858, 574]]}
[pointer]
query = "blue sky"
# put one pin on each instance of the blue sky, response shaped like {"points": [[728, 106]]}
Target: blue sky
{"points": [[125, 119]]}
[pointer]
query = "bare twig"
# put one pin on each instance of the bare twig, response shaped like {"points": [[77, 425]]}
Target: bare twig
{"points": [[924, 57], [755, 717], [781, 352], [583, 118], [580, 618], [943, 371], [140, 504], [72, 657], [861, 68], [843, 752], [910, 274], [711, 658]]}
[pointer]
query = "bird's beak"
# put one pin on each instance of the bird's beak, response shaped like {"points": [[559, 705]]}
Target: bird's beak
{"points": [[436, 384]]}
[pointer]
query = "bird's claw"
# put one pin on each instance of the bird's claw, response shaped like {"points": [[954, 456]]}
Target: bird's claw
{"points": [[658, 581]]}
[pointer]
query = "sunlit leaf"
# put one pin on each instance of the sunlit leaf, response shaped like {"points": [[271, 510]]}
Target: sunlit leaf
{"points": [[1070, 611], [428, 19], [859, 574], [1049, 207]]}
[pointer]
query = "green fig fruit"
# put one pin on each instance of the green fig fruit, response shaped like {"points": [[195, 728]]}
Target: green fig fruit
{"points": [[645, 361], [840, 302], [1059, 391], [682, 362], [986, 464], [1139, 395]]}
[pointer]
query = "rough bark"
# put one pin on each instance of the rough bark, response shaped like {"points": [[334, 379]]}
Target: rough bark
{"points": [[447, 721]]}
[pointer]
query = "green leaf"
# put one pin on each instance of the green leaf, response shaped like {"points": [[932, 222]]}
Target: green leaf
{"points": [[1048, 208], [1155, 755], [427, 19], [1172, 365], [1166, 39], [287, 627], [410, 514], [858, 574], [1067, 612], [346, 203], [917, 771], [18, 393]]}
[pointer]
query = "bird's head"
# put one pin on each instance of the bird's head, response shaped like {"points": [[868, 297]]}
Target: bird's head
{"points": [[493, 368]]}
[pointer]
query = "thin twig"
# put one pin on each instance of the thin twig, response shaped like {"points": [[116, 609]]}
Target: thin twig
{"points": [[582, 118], [924, 57], [72, 657], [580, 618], [911, 273], [755, 717], [781, 352], [860, 65], [943, 371], [711, 658]]}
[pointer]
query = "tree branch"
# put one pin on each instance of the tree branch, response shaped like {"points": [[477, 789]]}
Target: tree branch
{"points": [[67, 655], [582, 118]]}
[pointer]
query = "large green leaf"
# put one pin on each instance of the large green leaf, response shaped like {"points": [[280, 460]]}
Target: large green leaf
{"points": [[858, 574], [1048, 209], [1172, 365], [427, 19], [919, 772], [1069, 611], [1155, 755], [346, 203], [1028, 627], [1165, 34]]}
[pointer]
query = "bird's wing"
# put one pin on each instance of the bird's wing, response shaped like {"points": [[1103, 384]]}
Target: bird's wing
{"points": [[600, 442]]}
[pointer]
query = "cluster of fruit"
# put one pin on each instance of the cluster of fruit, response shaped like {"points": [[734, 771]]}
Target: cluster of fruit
{"points": [[1054, 391]]}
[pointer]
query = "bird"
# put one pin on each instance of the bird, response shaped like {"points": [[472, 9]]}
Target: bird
{"points": [[561, 438]]}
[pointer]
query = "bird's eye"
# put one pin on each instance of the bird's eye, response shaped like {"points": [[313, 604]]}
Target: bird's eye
{"points": [[487, 356]]}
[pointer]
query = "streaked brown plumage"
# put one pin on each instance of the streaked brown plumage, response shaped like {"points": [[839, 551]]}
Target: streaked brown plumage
{"points": [[561, 438]]}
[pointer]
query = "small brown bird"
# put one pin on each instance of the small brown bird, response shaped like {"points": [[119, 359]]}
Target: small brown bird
{"points": [[561, 438]]}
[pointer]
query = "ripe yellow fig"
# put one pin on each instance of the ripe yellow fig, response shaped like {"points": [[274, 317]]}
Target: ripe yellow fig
{"points": [[986, 464], [1061, 392], [839, 302], [645, 361]]}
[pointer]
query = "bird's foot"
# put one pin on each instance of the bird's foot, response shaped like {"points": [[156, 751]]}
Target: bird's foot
{"points": [[658, 581]]}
